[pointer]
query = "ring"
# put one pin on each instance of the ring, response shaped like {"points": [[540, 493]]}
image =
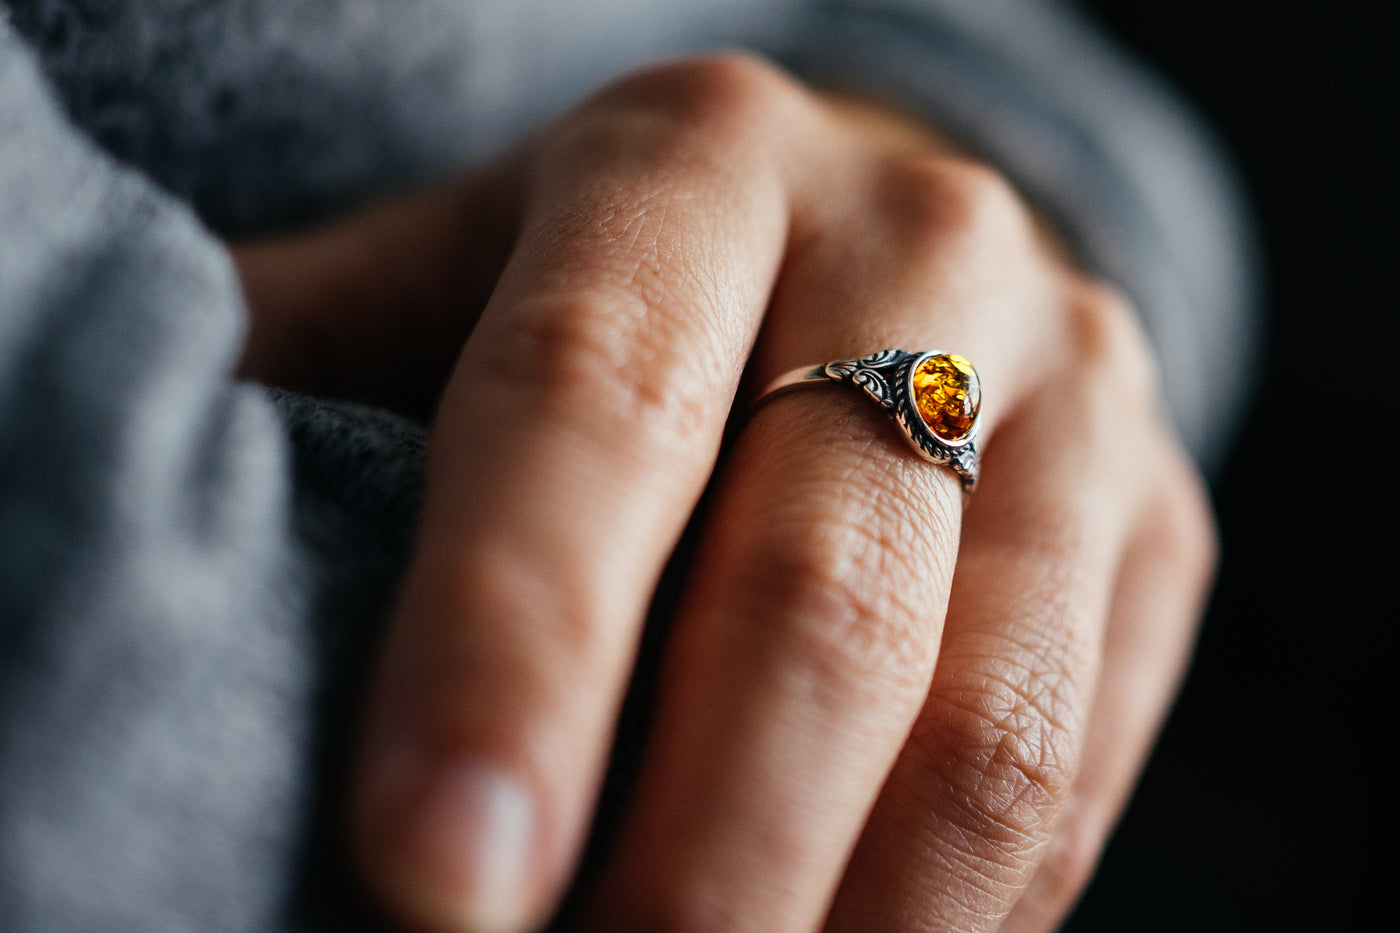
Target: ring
{"points": [[934, 398]]}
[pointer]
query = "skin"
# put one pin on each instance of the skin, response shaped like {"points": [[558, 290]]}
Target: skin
{"points": [[882, 708]]}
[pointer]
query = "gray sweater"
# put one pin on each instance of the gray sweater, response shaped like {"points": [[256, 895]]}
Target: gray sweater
{"points": [[193, 571]]}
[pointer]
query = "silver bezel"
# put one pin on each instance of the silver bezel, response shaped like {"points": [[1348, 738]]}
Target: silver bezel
{"points": [[887, 378]]}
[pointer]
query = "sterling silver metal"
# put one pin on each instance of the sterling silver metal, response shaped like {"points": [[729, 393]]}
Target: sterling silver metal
{"points": [[887, 378]]}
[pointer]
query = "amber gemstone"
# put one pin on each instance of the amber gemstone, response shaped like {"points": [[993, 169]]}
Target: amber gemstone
{"points": [[948, 395]]}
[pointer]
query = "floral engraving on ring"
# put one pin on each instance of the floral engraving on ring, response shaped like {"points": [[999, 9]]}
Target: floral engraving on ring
{"points": [[865, 373]]}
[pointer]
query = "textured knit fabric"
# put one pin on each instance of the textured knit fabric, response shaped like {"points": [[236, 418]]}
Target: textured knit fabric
{"points": [[194, 572]]}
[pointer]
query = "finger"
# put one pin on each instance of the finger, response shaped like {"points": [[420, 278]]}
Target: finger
{"points": [[576, 434], [970, 804], [1151, 627], [376, 305], [807, 637]]}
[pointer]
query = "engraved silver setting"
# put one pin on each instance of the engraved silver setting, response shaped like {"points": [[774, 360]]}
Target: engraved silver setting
{"points": [[886, 377]]}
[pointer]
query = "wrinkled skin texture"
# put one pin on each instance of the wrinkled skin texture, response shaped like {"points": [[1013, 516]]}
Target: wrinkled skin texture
{"points": [[881, 708]]}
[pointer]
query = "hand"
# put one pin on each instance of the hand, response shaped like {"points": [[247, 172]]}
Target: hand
{"points": [[880, 709]]}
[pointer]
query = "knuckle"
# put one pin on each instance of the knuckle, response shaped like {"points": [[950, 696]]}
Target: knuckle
{"points": [[1001, 736], [1070, 861], [1108, 343], [956, 206], [826, 597], [566, 626], [728, 97], [1185, 526], [573, 360], [632, 246], [561, 646]]}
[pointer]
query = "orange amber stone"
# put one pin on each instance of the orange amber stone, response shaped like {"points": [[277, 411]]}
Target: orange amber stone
{"points": [[948, 395]]}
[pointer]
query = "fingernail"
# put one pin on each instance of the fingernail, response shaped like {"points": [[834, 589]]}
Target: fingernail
{"points": [[464, 850]]}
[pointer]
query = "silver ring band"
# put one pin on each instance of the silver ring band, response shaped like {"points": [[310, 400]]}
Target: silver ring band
{"points": [[933, 397]]}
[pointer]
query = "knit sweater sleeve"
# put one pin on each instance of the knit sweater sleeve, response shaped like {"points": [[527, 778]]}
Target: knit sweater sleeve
{"points": [[144, 542]]}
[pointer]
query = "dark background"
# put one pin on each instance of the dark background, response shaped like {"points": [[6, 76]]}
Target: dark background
{"points": [[1269, 803]]}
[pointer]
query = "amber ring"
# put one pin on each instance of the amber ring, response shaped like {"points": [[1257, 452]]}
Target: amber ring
{"points": [[933, 397]]}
